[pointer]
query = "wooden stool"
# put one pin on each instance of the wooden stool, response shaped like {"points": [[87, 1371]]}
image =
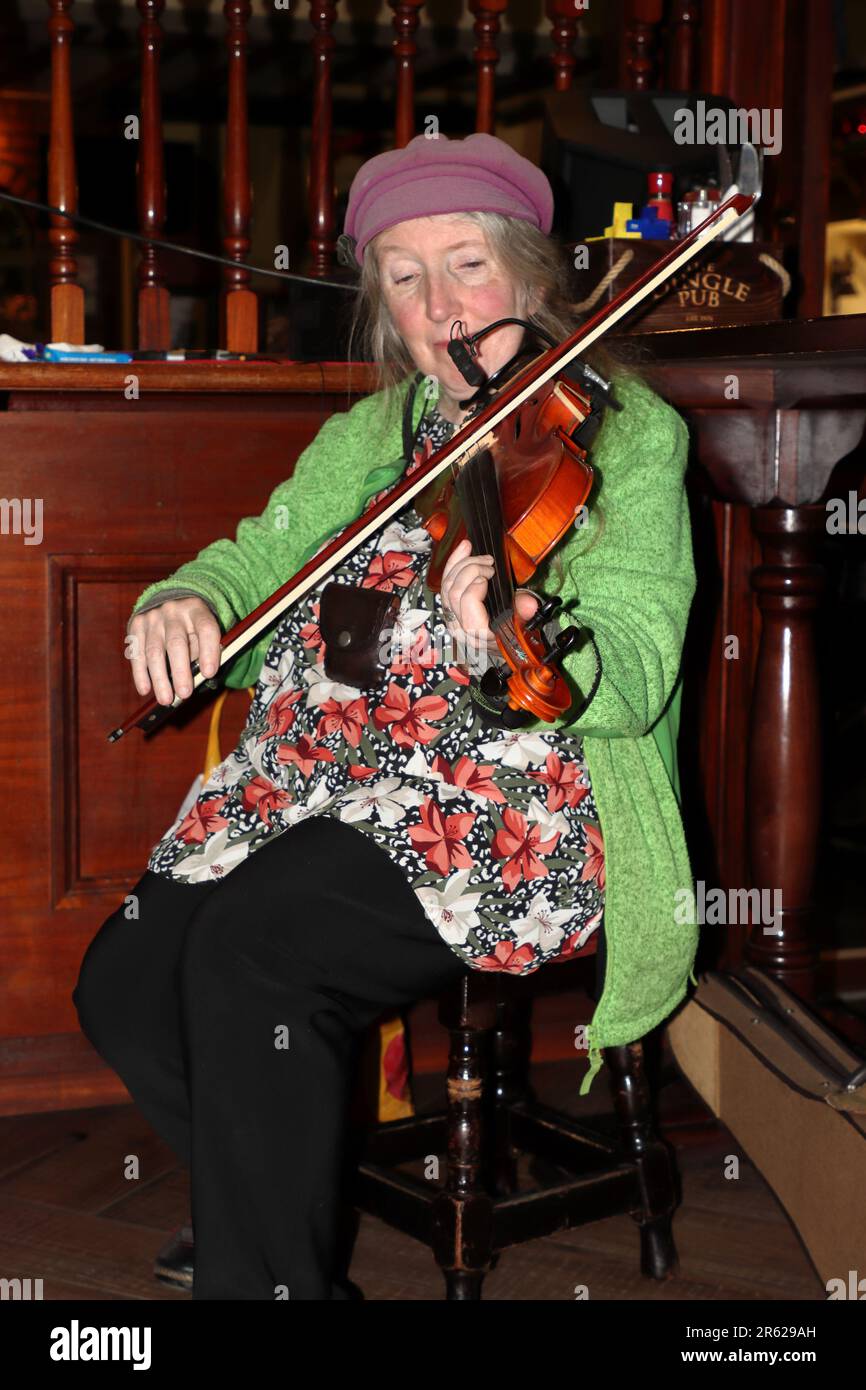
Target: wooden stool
{"points": [[585, 1174]]}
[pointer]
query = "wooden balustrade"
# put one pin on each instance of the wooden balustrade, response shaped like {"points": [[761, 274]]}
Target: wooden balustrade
{"points": [[239, 302]]}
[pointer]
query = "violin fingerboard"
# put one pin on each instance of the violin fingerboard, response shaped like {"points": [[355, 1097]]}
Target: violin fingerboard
{"points": [[477, 489]]}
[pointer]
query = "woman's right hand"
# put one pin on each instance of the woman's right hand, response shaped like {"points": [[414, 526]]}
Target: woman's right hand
{"points": [[185, 630]]}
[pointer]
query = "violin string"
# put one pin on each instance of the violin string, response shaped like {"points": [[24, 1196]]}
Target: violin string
{"points": [[503, 576], [482, 506], [482, 530], [496, 533], [497, 546], [469, 503]]}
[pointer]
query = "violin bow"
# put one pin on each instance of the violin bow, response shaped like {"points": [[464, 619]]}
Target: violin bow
{"points": [[471, 438]]}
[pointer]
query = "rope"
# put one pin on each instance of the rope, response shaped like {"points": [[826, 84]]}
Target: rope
{"points": [[602, 285], [778, 269]]}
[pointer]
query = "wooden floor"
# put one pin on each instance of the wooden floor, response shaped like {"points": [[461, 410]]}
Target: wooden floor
{"points": [[70, 1218]]}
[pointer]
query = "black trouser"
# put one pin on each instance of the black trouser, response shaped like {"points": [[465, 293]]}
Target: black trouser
{"points": [[234, 1013]]}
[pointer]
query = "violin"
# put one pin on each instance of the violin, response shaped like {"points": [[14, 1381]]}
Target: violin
{"points": [[519, 479], [515, 496]]}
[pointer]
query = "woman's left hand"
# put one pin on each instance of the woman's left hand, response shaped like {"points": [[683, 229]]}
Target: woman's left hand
{"points": [[463, 590]]}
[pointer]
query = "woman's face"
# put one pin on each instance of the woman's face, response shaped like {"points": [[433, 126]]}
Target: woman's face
{"points": [[438, 269]]}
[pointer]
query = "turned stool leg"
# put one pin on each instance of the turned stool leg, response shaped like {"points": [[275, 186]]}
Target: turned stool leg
{"points": [[462, 1214], [643, 1144]]}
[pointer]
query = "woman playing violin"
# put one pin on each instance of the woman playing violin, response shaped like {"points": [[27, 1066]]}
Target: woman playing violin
{"points": [[423, 838]]}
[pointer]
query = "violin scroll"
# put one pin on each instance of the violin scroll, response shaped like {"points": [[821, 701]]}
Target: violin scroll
{"points": [[532, 687]]}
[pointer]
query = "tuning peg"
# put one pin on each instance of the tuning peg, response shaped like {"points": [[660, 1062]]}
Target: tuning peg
{"points": [[543, 613], [561, 644]]}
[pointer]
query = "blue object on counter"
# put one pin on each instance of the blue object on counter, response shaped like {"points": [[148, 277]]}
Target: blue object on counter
{"points": [[66, 355], [651, 227]]}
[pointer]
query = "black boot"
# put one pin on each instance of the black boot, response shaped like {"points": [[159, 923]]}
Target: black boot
{"points": [[175, 1265], [175, 1262]]}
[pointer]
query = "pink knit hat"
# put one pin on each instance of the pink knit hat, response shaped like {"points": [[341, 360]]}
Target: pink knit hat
{"points": [[478, 174]]}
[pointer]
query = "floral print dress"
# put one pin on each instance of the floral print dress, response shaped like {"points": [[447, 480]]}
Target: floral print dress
{"points": [[496, 830]]}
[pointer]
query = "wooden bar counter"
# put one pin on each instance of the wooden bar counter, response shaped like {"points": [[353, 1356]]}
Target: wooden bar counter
{"points": [[127, 497]]}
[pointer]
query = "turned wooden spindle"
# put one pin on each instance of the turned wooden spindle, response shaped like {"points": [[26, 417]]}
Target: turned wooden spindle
{"points": [[67, 297], [784, 786], [486, 55], [564, 19], [322, 242], [461, 1215], [239, 304], [637, 63], [154, 328], [682, 44], [405, 22]]}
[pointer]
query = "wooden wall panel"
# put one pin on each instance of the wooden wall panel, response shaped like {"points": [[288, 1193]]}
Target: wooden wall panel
{"points": [[127, 496], [99, 840]]}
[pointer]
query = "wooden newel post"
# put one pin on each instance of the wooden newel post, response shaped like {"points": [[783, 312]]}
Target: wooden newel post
{"points": [[407, 16], [323, 237], [638, 48], [240, 303], [683, 42], [784, 780], [486, 55], [564, 18], [154, 326], [67, 297]]}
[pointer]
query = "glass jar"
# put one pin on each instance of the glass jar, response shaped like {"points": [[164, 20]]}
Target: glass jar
{"points": [[695, 207]]}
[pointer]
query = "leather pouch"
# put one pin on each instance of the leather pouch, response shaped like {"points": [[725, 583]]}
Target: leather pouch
{"points": [[352, 622]]}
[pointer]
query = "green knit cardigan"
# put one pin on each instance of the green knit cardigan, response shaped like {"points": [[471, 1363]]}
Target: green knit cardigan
{"points": [[627, 574]]}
